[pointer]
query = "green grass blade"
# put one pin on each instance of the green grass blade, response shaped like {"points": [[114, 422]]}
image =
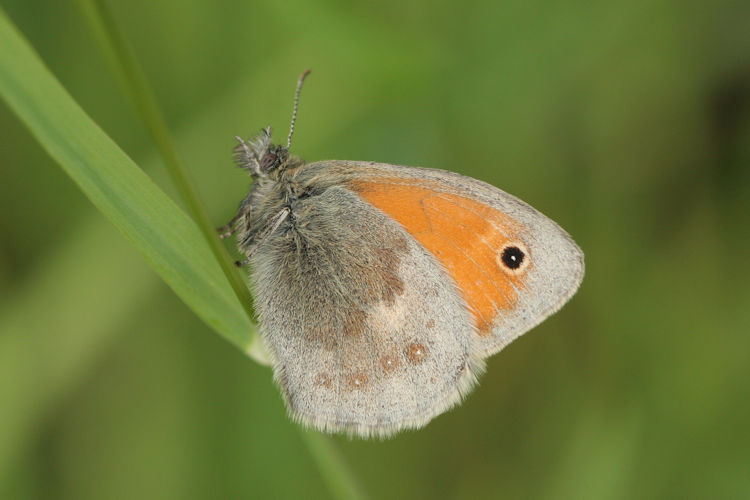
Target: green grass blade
{"points": [[336, 472], [169, 240], [117, 50]]}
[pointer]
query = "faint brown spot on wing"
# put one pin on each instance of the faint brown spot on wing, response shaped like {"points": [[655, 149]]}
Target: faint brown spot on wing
{"points": [[327, 330], [376, 269], [416, 352], [354, 322], [389, 258], [357, 381], [389, 362], [324, 380]]}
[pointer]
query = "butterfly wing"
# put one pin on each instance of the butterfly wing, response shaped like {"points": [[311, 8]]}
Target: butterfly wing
{"points": [[368, 333], [513, 266]]}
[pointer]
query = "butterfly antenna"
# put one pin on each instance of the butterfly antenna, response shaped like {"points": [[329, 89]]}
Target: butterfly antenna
{"points": [[296, 103]]}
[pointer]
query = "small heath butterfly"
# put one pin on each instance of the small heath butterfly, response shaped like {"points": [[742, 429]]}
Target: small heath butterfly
{"points": [[381, 289]]}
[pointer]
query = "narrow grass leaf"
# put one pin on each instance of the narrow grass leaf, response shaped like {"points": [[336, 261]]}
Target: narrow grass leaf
{"points": [[167, 238]]}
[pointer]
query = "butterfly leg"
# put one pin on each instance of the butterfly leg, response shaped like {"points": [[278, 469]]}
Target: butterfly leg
{"points": [[230, 227], [270, 228], [244, 262]]}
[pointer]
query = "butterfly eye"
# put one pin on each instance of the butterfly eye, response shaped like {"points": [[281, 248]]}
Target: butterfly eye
{"points": [[514, 258], [268, 161], [273, 158]]}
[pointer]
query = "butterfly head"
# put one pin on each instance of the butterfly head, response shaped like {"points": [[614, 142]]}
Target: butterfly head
{"points": [[259, 155]]}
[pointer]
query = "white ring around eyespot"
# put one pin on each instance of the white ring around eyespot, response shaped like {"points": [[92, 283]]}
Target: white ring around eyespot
{"points": [[524, 263]]}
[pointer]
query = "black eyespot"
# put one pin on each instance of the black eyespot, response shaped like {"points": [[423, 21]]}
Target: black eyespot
{"points": [[513, 257]]}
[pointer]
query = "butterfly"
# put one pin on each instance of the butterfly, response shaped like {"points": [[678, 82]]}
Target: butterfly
{"points": [[380, 289]]}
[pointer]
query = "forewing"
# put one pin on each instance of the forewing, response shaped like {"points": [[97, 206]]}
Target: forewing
{"points": [[468, 226]]}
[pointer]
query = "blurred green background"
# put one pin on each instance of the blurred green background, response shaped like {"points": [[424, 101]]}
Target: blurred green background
{"points": [[627, 122]]}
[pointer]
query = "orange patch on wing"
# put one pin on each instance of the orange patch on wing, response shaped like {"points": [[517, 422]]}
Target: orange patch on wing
{"points": [[465, 235]]}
